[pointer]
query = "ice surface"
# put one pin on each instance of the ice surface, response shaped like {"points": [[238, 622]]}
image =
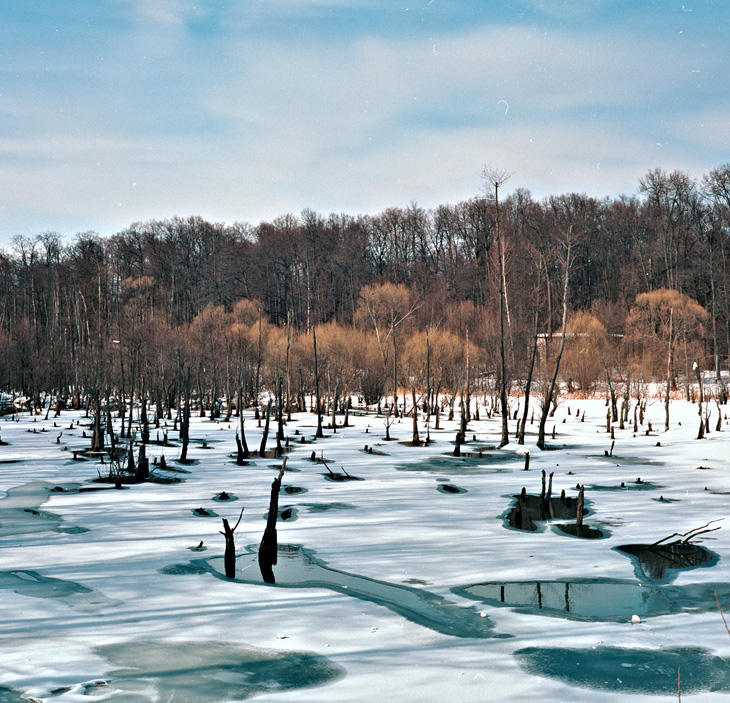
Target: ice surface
{"points": [[297, 568], [394, 540], [208, 672], [20, 514]]}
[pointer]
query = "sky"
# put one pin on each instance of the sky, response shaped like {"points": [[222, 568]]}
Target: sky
{"points": [[121, 111]]}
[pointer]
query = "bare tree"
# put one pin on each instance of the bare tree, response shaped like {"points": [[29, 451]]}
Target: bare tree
{"points": [[567, 244], [494, 179]]}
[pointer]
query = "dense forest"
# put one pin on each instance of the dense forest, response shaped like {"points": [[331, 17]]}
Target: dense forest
{"points": [[498, 295]]}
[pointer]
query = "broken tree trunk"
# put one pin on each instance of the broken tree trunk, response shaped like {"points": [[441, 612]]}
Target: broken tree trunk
{"points": [[542, 492], [457, 444], [579, 508], [262, 447], [97, 442], [143, 466], [229, 556], [269, 543], [130, 457], [239, 451]]}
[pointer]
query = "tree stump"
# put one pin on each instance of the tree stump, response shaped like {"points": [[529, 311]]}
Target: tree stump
{"points": [[229, 556], [269, 542]]}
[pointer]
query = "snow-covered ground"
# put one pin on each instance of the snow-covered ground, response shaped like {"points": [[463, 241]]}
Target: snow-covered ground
{"points": [[103, 595]]}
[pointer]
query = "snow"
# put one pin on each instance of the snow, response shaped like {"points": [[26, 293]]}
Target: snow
{"points": [[103, 595]]}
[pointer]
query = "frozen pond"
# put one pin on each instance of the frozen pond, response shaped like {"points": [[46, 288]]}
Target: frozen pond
{"points": [[210, 672], [631, 671], [431, 579]]}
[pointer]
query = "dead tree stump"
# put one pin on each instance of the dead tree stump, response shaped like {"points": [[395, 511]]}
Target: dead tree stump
{"points": [[579, 509], [229, 556], [269, 543]]}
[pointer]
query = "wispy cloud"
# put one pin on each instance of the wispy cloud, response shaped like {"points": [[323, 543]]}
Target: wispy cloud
{"points": [[191, 108], [164, 14]]}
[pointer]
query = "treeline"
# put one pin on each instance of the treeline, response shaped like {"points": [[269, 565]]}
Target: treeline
{"points": [[460, 298]]}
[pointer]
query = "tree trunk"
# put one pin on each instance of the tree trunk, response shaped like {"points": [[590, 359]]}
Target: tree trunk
{"points": [[97, 443], [241, 419], [110, 425], [611, 394], [229, 556], [262, 446], [701, 432], [185, 422], [551, 387], [335, 400], [319, 432], [395, 376], [528, 382], [669, 370], [579, 507], [143, 416], [131, 392], [415, 441], [269, 542]]}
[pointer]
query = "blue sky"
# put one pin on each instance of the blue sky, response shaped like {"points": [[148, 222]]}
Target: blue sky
{"points": [[117, 111]]}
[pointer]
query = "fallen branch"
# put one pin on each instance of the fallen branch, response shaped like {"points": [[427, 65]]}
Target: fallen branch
{"points": [[326, 466], [691, 534]]}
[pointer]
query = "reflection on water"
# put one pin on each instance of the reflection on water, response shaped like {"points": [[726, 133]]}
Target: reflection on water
{"points": [[582, 531], [599, 600], [298, 568], [660, 562], [529, 510]]}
